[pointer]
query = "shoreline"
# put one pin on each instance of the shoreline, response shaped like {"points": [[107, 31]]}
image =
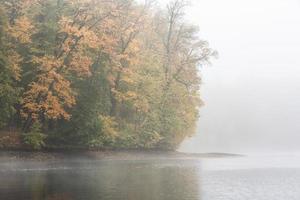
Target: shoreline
{"points": [[18, 155]]}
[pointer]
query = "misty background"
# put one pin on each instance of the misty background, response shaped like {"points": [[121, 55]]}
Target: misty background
{"points": [[252, 92]]}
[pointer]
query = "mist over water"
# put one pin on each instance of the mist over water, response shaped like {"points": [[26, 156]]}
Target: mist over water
{"points": [[252, 92], [237, 178], [252, 107]]}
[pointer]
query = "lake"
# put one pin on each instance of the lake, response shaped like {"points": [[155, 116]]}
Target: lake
{"points": [[274, 177]]}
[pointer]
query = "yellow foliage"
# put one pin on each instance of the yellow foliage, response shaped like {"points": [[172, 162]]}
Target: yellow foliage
{"points": [[109, 125]]}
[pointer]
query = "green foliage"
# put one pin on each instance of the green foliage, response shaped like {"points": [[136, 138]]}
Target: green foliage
{"points": [[35, 138], [8, 90]]}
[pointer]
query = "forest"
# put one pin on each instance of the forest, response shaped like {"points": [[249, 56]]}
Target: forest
{"points": [[119, 74]]}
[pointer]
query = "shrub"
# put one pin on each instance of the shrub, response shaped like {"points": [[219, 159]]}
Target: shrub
{"points": [[35, 138]]}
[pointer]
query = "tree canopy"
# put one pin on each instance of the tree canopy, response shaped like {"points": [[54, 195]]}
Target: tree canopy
{"points": [[100, 73]]}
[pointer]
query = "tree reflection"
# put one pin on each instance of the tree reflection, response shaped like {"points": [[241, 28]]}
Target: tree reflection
{"points": [[107, 181]]}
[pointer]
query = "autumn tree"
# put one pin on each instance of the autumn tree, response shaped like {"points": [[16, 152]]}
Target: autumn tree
{"points": [[70, 53]]}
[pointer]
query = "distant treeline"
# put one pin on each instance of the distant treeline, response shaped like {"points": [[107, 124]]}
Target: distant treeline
{"points": [[99, 73]]}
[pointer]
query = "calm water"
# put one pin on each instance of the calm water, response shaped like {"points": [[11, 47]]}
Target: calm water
{"points": [[239, 178]]}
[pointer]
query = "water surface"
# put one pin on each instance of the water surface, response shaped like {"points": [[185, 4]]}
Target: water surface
{"points": [[232, 178]]}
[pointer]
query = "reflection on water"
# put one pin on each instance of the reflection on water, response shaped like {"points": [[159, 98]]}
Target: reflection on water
{"points": [[96, 181], [235, 178]]}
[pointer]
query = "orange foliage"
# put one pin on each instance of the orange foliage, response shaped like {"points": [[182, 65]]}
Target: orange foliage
{"points": [[22, 30], [39, 99], [50, 94], [81, 65]]}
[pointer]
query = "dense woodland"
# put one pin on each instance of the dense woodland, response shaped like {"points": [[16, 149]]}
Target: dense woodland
{"points": [[99, 73]]}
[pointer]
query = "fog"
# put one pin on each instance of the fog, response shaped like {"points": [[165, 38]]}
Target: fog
{"points": [[252, 92]]}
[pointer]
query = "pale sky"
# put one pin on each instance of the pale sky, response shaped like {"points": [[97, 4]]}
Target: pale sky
{"points": [[252, 92]]}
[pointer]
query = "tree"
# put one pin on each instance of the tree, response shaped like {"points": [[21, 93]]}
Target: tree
{"points": [[100, 73], [8, 75]]}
